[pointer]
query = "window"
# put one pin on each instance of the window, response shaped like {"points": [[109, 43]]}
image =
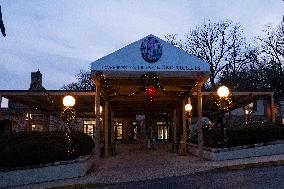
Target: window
{"points": [[118, 131], [37, 127], [4, 103], [163, 130], [89, 128]]}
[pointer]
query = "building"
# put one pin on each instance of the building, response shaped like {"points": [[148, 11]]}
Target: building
{"points": [[140, 89]]}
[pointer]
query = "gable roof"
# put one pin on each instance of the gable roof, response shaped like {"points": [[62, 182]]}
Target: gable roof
{"points": [[128, 61]]}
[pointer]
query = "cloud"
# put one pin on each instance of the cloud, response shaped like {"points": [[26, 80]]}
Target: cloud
{"points": [[60, 37]]}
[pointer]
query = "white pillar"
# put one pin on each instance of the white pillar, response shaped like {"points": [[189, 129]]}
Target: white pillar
{"points": [[97, 104], [199, 124]]}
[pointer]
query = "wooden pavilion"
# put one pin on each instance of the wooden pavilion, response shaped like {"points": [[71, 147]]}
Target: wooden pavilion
{"points": [[145, 85]]}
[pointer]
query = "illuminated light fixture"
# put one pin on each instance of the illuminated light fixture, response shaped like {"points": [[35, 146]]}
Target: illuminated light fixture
{"points": [[224, 101], [188, 106], [101, 109], [223, 92], [68, 101]]}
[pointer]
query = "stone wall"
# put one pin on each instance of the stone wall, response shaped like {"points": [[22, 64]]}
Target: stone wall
{"points": [[48, 172], [238, 152]]}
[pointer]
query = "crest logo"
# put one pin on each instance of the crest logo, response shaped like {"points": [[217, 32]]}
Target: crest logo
{"points": [[151, 49]]}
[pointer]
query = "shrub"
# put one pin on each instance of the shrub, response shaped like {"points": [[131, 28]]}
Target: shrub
{"points": [[22, 149], [81, 144], [245, 135], [213, 137]]}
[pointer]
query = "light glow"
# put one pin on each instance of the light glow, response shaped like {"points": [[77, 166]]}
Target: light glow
{"points": [[223, 91], [188, 107], [69, 101]]}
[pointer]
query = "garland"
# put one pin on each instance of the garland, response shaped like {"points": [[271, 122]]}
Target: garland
{"points": [[150, 83]]}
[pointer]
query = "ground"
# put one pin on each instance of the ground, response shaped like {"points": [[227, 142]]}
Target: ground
{"points": [[160, 166], [268, 177]]}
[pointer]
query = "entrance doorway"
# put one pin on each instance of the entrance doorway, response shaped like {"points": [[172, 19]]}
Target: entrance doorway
{"points": [[158, 126], [163, 130], [118, 131]]}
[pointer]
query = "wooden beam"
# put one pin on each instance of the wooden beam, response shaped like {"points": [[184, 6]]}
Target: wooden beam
{"points": [[44, 93], [4, 93], [205, 93]]}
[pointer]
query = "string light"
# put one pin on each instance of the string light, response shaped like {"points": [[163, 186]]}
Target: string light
{"points": [[150, 83]]}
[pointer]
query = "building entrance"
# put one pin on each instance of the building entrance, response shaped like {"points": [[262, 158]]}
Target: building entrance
{"points": [[157, 126]]}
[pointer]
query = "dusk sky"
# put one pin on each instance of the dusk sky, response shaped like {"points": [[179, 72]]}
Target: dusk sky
{"points": [[60, 37]]}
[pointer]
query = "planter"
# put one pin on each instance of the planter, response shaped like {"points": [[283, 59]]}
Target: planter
{"points": [[238, 152], [47, 172]]}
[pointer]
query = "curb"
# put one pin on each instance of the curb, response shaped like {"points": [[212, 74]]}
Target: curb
{"points": [[214, 170], [249, 165]]}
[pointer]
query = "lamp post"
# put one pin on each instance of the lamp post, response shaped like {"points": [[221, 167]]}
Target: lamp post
{"points": [[224, 103], [68, 115], [223, 91], [183, 141], [224, 100], [188, 108], [68, 101]]}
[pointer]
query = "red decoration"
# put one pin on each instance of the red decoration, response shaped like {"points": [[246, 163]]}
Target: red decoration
{"points": [[151, 91]]}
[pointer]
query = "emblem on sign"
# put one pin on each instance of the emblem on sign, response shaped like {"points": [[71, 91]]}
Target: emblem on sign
{"points": [[151, 49]]}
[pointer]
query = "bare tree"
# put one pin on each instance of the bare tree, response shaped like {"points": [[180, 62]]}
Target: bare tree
{"points": [[218, 43], [272, 45], [263, 67], [272, 54], [2, 27], [84, 82]]}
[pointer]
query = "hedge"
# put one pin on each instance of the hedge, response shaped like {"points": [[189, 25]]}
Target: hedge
{"points": [[245, 135], [33, 148]]}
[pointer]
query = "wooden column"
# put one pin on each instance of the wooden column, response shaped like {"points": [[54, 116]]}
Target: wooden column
{"points": [[97, 104], [199, 123], [272, 108], [184, 135], [182, 148], [175, 127], [106, 121], [111, 127]]}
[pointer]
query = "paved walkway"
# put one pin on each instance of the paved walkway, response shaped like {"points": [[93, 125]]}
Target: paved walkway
{"points": [[133, 164]]}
